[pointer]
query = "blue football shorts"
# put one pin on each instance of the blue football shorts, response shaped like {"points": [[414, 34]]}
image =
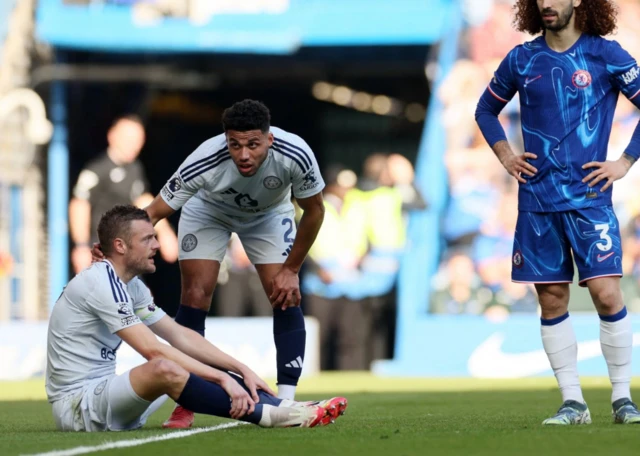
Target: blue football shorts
{"points": [[546, 245]]}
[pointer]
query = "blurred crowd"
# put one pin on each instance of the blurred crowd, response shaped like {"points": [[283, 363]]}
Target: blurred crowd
{"points": [[479, 222]]}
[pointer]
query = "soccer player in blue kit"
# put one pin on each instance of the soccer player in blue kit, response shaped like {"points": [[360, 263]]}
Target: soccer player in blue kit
{"points": [[568, 80]]}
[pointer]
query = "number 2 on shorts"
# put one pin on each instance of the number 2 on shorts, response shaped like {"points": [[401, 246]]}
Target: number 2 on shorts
{"points": [[287, 234], [604, 229]]}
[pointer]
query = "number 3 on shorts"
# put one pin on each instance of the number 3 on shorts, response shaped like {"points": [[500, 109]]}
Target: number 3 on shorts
{"points": [[287, 234], [604, 229]]}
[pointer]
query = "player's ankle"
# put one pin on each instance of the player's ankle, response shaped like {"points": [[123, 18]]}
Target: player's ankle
{"points": [[287, 392]]}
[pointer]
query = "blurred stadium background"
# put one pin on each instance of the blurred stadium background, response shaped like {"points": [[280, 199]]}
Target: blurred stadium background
{"points": [[384, 92]]}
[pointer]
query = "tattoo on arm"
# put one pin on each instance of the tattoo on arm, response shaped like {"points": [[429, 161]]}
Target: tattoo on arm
{"points": [[629, 158]]}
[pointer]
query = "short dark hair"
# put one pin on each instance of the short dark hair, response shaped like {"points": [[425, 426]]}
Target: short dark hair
{"points": [[116, 223], [247, 115]]}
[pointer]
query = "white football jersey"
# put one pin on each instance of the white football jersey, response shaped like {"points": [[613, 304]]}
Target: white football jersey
{"points": [[82, 340], [210, 174]]}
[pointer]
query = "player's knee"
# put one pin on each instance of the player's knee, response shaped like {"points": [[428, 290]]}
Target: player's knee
{"points": [[553, 299], [607, 299], [167, 371], [197, 296]]}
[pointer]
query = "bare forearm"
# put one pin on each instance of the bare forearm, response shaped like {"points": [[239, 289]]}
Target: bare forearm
{"points": [[188, 363], [193, 344], [80, 221], [502, 149], [308, 229]]}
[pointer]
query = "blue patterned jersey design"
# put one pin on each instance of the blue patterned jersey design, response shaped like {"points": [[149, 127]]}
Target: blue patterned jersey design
{"points": [[567, 103]]}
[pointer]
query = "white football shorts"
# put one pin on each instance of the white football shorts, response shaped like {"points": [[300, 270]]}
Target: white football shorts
{"points": [[204, 233], [105, 404]]}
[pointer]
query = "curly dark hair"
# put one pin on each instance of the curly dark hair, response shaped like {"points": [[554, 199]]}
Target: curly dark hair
{"points": [[246, 115], [116, 223], [593, 17]]}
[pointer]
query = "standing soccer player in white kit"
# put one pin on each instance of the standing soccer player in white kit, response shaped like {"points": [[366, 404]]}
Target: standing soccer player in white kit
{"points": [[241, 182]]}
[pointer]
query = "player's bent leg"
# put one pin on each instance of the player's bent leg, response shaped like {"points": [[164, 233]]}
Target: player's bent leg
{"points": [[561, 347], [289, 335], [157, 377], [131, 394], [202, 396], [616, 341]]}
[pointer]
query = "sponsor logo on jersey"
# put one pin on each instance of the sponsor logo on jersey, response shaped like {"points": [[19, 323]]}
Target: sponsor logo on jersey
{"points": [[310, 181], [591, 194], [166, 193], [126, 321], [244, 200], [272, 182], [631, 75], [189, 242], [581, 79], [518, 261]]}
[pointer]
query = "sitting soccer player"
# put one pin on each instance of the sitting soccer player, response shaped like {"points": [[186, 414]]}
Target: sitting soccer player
{"points": [[104, 305]]}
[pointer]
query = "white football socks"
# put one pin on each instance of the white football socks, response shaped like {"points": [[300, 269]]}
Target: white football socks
{"points": [[616, 341], [559, 341], [286, 392]]}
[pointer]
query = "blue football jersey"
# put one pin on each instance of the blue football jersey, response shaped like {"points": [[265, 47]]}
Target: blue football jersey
{"points": [[567, 104]]}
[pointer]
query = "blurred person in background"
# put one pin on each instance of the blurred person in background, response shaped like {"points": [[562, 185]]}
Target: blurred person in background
{"points": [[456, 286], [389, 194], [116, 176], [240, 293], [474, 185], [345, 324], [565, 206]]}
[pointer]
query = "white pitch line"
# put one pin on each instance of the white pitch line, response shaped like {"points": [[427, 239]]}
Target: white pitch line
{"points": [[135, 442]]}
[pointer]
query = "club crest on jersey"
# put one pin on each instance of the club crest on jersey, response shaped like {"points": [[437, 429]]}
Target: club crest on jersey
{"points": [[189, 242], [518, 261], [581, 79], [272, 182]]}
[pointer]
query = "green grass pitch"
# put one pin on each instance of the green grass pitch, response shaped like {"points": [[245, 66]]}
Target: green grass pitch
{"points": [[385, 417]]}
